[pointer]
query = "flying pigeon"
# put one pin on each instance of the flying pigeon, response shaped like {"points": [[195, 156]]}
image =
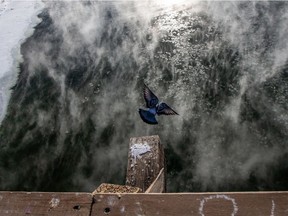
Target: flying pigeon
{"points": [[154, 107]]}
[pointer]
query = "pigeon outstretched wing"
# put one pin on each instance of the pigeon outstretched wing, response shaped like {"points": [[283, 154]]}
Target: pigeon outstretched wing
{"points": [[164, 109], [150, 98]]}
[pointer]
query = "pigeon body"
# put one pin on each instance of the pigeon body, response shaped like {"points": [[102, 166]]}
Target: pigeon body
{"points": [[154, 107], [147, 116]]}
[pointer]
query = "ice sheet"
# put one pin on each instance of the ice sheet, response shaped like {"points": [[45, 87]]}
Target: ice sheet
{"points": [[17, 19]]}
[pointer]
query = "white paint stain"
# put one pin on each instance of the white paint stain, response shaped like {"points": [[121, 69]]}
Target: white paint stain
{"points": [[139, 149], [28, 210], [54, 202], [273, 208], [112, 200], [1, 197], [139, 210], [204, 200], [122, 210]]}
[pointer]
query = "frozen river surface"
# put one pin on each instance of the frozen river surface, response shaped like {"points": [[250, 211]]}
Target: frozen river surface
{"points": [[17, 19]]}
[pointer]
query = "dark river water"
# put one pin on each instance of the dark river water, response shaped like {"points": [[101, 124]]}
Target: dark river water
{"points": [[223, 66]]}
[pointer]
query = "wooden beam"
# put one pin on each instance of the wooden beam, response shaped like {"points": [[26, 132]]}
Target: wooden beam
{"points": [[184, 204], [52, 204], [145, 160], [82, 204]]}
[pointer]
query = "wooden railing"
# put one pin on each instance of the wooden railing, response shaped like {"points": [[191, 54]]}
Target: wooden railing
{"points": [[146, 174]]}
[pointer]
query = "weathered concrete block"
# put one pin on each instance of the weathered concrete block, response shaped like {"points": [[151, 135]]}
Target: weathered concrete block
{"points": [[145, 160]]}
